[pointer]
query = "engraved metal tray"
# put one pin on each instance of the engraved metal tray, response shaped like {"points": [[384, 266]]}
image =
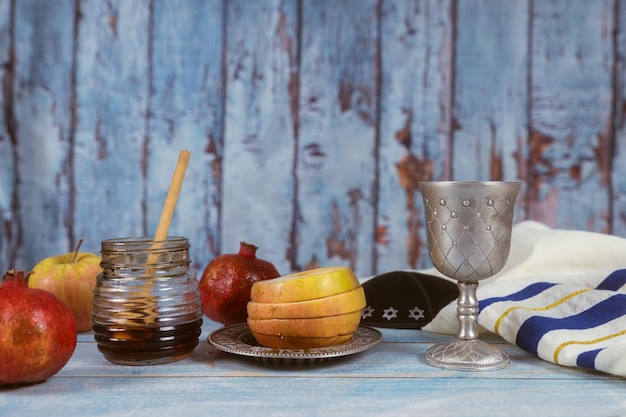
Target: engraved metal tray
{"points": [[237, 339]]}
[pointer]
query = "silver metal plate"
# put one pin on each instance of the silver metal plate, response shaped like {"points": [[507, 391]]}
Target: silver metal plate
{"points": [[237, 339]]}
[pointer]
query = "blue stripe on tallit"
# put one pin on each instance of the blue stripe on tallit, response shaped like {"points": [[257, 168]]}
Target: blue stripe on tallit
{"points": [[615, 281], [527, 292], [588, 359], [534, 328]]}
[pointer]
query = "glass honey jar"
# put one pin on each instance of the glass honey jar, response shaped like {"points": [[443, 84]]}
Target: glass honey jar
{"points": [[146, 303]]}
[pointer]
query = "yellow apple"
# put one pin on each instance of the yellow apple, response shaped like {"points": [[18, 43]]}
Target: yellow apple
{"points": [[71, 277], [330, 326], [342, 303], [305, 285]]}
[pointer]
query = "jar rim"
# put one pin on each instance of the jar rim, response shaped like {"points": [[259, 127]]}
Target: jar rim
{"points": [[144, 239], [144, 243]]}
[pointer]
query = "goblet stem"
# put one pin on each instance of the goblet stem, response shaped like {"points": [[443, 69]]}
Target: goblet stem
{"points": [[467, 352], [467, 310]]}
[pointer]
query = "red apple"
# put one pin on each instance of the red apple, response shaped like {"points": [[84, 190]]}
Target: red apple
{"points": [[71, 277]]}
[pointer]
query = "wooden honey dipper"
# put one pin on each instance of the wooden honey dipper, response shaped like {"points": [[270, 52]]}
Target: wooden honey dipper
{"points": [[164, 222], [172, 197]]}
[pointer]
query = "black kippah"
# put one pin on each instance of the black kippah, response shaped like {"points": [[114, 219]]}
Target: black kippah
{"points": [[405, 299]]}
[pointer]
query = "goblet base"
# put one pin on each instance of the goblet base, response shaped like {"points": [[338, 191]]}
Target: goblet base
{"points": [[467, 355]]}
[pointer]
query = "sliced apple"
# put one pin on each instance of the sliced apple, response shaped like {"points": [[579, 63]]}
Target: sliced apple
{"points": [[330, 326], [305, 285], [288, 342], [346, 302]]}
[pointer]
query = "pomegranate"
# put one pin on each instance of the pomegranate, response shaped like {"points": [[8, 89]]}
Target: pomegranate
{"points": [[226, 282], [37, 332]]}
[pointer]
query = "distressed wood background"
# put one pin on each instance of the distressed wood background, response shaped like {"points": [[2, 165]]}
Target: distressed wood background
{"points": [[309, 122]]}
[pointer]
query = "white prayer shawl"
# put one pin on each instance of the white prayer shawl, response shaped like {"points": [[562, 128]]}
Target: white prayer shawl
{"points": [[561, 296]]}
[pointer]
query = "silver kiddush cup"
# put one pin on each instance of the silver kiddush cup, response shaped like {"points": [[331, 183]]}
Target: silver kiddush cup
{"points": [[468, 226]]}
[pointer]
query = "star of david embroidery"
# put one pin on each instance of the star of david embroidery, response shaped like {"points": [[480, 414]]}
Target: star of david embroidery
{"points": [[416, 313], [390, 313], [367, 312]]}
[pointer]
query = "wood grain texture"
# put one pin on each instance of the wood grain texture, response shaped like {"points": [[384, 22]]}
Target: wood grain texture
{"points": [[490, 93], [336, 167], [570, 113], [261, 129], [43, 127], [112, 103], [415, 123], [390, 379], [9, 217], [313, 396], [309, 122], [186, 112], [618, 172]]}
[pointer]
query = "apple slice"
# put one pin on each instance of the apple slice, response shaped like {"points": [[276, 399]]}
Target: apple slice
{"points": [[346, 302], [305, 285], [330, 326], [288, 342]]}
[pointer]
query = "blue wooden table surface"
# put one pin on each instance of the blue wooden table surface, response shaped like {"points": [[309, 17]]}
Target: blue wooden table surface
{"points": [[390, 379]]}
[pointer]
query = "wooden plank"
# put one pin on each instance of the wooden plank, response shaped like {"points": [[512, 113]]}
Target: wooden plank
{"points": [[112, 89], [237, 396], [399, 355], [390, 379], [9, 221], [337, 146], [618, 169], [491, 93], [97, 167], [415, 124], [42, 100], [571, 80], [260, 129], [186, 112]]}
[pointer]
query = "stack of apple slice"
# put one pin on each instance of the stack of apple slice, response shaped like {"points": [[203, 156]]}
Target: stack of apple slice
{"points": [[310, 309]]}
